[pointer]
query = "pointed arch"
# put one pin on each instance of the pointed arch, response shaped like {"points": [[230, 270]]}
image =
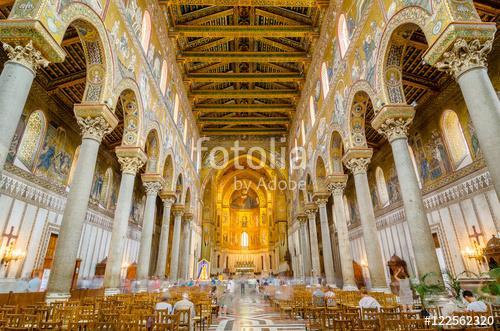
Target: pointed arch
{"points": [[454, 138], [343, 35], [336, 152], [169, 171], [152, 151]]}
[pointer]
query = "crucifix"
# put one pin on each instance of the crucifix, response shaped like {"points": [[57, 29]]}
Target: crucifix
{"points": [[475, 235], [9, 236]]}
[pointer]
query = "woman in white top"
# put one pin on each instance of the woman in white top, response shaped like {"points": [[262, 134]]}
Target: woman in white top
{"points": [[405, 291]]}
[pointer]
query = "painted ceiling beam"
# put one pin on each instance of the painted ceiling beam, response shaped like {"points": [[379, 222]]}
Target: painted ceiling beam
{"points": [[243, 108], [255, 94], [243, 120], [246, 131], [246, 3], [244, 77], [243, 31], [252, 57]]}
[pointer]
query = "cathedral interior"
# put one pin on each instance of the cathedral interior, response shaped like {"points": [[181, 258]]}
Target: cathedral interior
{"points": [[322, 141]]}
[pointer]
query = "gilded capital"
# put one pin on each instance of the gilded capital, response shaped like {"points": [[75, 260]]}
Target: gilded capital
{"points": [[337, 184], [95, 120], [131, 159], [393, 121], [321, 198], [168, 197], [310, 209], [188, 216], [27, 56], [464, 56], [302, 218], [357, 160], [178, 210], [152, 183]]}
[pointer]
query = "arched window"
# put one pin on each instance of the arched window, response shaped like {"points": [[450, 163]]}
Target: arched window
{"points": [[383, 195], [244, 239], [73, 166], [455, 140], [30, 143], [343, 35], [146, 31], [176, 107], [303, 129], [163, 79], [107, 187], [324, 80], [312, 110], [414, 162], [347, 210]]}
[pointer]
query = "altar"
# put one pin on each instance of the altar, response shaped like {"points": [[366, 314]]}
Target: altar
{"points": [[245, 267]]}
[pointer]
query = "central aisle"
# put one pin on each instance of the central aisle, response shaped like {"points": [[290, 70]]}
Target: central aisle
{"points": [[251, 313]]}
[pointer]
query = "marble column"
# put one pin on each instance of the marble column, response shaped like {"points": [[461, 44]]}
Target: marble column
{"points": [[131, 160], [15, 84], [467, 61], [337, 185], [321, 199], [357, 161], [186, 243], [95, 121], [168, 199], [178, 211], [393, 121], [304, 245], [152, 185], [310, 210]]}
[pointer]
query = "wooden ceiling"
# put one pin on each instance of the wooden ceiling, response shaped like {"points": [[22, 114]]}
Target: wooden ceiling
{"points": [[244, 65]]}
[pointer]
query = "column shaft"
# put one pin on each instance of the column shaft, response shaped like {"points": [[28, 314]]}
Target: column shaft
{"points": [[370, 237], [119, 234], [15, 84], [313, 235], [146, 236], [305, 249], [327, 245], [161, 264], [484, 109], [420, 232], [186, 237], [174, 259], [73, 219], [344, 246]]}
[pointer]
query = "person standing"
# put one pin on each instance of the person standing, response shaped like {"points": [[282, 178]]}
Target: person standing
{"points": [[405, 291]]}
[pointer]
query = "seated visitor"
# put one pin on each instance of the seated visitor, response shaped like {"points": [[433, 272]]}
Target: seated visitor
{"points": [[330, 297], [184, 303], [473, 304], [163, 305], [368, 301], [318, 296]]}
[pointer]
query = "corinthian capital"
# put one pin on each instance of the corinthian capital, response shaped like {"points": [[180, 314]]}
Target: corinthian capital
{"points": [[95, 120], [310, 209], [27, 56], [321, 198], [337, 184], [168, 198], [178, 210], [393, 121], [130, 165], [465, 55], [357, 159], [152, 188]]}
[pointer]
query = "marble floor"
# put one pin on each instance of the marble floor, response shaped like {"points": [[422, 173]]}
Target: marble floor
{"points": [[250, 313]]}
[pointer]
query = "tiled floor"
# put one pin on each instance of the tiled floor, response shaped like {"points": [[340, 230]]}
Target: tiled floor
{"points": [[251, 313]]}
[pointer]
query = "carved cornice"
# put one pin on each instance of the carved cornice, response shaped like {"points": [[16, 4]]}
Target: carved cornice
{"points": [[27, 56], [358, 159], [95, 120], [393, 121]]}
